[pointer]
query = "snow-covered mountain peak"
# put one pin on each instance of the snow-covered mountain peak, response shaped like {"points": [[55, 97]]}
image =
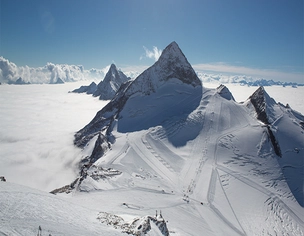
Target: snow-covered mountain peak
{"points": [[171, 66], [168, 88], [172, 53], [112, 72], [107, 88], [112, 67], [173, 60]]}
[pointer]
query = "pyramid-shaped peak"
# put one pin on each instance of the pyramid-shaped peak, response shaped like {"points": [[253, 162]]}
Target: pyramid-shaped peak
{"points": [[263, 104], [107, 88], [259, 91], [173, 46], [262, 96], [224, 92], [112, 67], [173, 52], [173, 64]]}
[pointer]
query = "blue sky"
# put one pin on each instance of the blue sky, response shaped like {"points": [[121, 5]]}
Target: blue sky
{"points": [[260, 38]]}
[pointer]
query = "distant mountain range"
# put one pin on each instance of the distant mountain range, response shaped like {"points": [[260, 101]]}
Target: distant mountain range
{"points": [[51, 73], [243, 80]]}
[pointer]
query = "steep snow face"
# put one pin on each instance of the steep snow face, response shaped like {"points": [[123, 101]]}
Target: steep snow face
{"points": [[107, 88], [172, 100]]}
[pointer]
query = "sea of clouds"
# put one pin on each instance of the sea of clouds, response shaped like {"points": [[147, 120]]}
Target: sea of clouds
{"points": [[37, 128]]}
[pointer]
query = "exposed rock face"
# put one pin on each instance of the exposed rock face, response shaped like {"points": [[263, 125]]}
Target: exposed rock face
{"points": [[224, 92], [263, 105], [89, 89], [107, 88]]}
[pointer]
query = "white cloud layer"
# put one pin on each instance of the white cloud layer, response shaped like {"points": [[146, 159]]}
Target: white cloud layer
{"points": [[10, 72], [37, 128], [222, 72], [224, 68], [154, 54]]}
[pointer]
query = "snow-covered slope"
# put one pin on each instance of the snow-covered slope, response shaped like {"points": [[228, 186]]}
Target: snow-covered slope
{"points": [[25, 210], [107, 88], [165, 142]]}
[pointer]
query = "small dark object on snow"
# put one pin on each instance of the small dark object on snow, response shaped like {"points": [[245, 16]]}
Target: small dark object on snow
{"points": [[39, 231], [2, 178]]}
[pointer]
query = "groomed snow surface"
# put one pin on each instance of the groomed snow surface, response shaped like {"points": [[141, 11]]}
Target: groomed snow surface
{"points": [[211, 181]]}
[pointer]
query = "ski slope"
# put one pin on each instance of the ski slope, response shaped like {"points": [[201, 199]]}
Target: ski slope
{"points": [[221, 173]]}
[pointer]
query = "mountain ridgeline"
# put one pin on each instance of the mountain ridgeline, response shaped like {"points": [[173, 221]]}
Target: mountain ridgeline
{"points": [[170, 97], [171, 73], [107, 88]]}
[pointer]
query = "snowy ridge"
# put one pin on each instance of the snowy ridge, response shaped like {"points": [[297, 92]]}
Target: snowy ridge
{"points": [[169, 136]]}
